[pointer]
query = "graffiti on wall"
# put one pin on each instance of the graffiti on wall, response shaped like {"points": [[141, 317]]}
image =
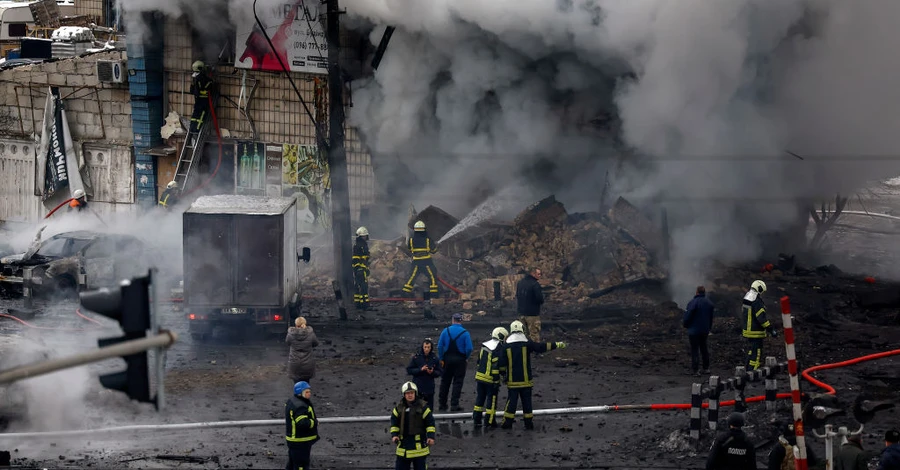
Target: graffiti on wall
{"points": [[305, 174], [287, 170]]}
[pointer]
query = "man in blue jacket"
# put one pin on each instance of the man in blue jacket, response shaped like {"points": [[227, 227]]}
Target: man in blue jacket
{"points": [[698, 319], [890, 456], [454, 349]]}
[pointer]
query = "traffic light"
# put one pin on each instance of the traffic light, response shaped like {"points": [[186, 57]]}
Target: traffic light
{"points": [[129, 304]]}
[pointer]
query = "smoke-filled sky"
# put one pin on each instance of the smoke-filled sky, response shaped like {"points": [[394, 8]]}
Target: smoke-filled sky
{"points": [[710, 94], [702, 99]]}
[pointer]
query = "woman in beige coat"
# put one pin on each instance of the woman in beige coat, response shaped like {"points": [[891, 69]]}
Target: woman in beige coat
{"points": [[301, 339]]}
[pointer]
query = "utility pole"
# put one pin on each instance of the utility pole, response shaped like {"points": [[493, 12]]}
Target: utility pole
{"points": [[337, 154]]}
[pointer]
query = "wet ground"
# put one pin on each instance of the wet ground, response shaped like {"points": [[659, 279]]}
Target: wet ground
{"points": [[629, 350], [626, 348]]}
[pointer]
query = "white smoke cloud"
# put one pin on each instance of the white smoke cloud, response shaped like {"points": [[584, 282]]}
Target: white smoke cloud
{"points": [[717, 92], [475, 97]]}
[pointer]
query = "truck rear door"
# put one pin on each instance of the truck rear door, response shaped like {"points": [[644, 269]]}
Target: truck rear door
{"points": [[258, 276], [208, 274]]}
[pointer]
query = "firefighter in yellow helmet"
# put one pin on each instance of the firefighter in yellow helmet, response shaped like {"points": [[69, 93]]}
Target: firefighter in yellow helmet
{"points": [[412, 429], [491, 365], [519, 380], [361, 268], [756, 325], [169, 197], [202, 87], [422, 247]]}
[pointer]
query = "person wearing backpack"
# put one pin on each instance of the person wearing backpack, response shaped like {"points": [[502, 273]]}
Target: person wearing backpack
{"points": [[454, 349], [782, 455]]}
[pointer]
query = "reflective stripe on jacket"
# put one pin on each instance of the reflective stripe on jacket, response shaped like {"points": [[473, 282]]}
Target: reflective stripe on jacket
{"points": [[518, 359], [414, 425], [491, 362], [360, 253], [421, 246], [754, 315], [300, 421]]}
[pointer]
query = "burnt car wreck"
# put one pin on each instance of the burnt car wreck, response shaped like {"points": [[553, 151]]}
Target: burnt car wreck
{"points": [[69, 262]]}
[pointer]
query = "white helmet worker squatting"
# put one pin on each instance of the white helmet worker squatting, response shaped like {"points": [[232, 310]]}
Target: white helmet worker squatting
{"points": [[758, 286], [78, 194], [419, 226]]}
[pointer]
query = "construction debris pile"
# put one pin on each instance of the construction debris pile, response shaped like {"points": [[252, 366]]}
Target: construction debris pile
{"points": [[579, 254]]}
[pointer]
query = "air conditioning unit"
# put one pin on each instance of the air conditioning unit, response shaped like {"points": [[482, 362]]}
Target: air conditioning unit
{"points": [[111, 71]]}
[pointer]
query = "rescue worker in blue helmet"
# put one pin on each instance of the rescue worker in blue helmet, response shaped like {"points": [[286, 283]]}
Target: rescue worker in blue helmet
{"points": [[301, 427], [755, 323], [412, 429]]}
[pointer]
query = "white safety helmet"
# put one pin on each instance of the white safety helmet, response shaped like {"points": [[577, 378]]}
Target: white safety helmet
{"points": [[499, 333], [362, 232], [758, 286], [172, 184], [78, 194], [409, 386], [198, 66], [516, 327], [419, 226]]}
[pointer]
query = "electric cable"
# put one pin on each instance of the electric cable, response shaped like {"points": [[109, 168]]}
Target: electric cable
{"points": [[320, 134]]}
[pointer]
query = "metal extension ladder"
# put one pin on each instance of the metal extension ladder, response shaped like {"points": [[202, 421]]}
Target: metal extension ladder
{"points": [[190, 154]]}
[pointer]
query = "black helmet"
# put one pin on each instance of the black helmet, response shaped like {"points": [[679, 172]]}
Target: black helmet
{"points": [[736, 420]]}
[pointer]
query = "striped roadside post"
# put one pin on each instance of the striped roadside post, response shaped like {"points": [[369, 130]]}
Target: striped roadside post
{"points": [[696, 406], [740, 374], [771, 383], [795, 380], [715, 391]]}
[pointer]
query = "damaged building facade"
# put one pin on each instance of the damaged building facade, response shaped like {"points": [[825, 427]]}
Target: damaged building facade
{"points": [[121, 102]]}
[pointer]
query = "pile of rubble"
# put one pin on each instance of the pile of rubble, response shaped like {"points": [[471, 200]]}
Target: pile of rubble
{"points": [[579, 254]]}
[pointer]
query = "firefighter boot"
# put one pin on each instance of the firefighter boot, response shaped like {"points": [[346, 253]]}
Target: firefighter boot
{"points": [[507, 423], [529, 424], [476, 418]]}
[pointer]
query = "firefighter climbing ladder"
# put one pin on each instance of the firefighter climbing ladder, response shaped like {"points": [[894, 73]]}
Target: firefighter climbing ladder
{"points": [[190, 153]]}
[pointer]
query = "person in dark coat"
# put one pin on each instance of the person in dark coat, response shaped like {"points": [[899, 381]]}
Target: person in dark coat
{"points": [[852, 456], [425, 367], [301, 427], [732, 450], [787, 440], [529, 298], [302, 339], [698, 319], [454, 349], [890, 456]]}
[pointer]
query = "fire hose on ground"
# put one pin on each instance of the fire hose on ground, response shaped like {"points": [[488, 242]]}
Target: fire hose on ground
{"points": [[447, 416]]}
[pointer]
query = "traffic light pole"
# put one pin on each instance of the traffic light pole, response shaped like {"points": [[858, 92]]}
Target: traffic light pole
{"points": [[162, 340], [337, 154]]}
